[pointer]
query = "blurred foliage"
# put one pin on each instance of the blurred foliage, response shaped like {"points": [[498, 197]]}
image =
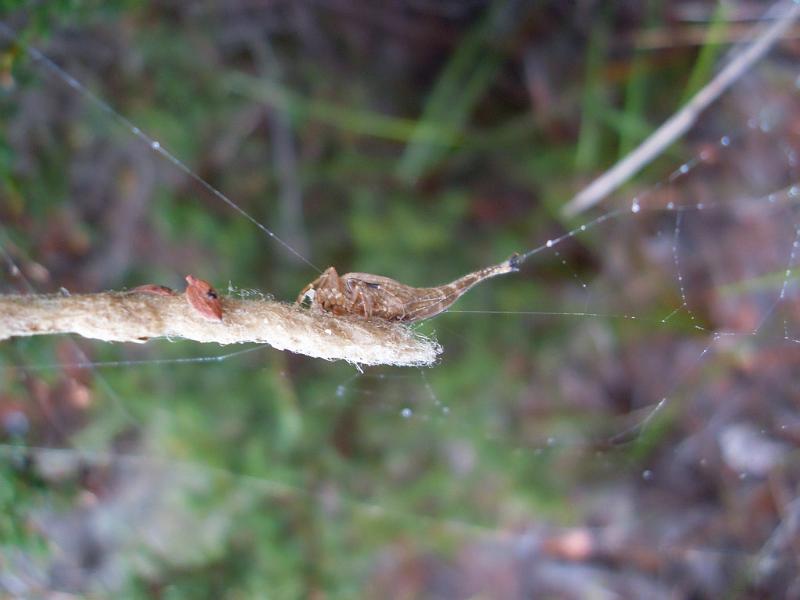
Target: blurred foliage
{"points": [[419, 140]]}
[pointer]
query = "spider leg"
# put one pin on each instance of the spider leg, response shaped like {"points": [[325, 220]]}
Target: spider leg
{"points": [[329, 280], [333, 280], [362, 295]]}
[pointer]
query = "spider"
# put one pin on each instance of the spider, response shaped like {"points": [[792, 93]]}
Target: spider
{"points": [[380, 297]]}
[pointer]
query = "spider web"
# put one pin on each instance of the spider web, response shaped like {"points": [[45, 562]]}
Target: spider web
{"points": [[604, 417]]}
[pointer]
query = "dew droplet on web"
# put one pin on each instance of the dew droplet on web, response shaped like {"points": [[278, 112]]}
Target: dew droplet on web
{"points": [[406, 413], [647, 475], [155, 145], [635, 208], [549, 243], [16, 423], [725, 141], [340, 391]]}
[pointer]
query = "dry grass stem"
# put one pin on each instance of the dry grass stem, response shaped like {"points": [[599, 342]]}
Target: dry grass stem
{"points": [[682, 121], [137, 317]]}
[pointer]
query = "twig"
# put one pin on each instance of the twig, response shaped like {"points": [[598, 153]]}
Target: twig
{"points": [[137, 317], [681, 121]]}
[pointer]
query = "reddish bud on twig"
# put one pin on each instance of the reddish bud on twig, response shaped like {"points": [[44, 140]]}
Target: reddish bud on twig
{"points": [[152, 288], [203, 298]]}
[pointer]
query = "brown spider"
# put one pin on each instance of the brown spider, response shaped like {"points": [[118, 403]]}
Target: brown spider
{"points": [[369, 296]]}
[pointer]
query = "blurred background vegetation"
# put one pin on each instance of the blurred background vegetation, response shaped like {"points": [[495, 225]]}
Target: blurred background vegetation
{"points": [[418, 139]]}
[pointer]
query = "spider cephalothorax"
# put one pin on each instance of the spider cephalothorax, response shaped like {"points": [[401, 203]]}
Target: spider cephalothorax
{"points": [[380, 297]]}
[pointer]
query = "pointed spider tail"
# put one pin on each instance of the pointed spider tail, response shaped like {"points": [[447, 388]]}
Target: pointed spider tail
{"points": [[439, 299], [510, 265], [514, 262]]}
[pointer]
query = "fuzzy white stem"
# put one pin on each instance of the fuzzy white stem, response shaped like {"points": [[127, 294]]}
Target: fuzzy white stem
{"points": [[137, 317]]}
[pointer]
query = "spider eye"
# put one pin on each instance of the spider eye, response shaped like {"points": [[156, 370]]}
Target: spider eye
{"points": [[308, 298]]}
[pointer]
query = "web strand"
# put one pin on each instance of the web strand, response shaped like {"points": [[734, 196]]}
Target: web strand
{"points": [[151, 142]]}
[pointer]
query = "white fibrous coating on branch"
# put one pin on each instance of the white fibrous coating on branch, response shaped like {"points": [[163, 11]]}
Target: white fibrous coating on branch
{"points": [[138, 317]]}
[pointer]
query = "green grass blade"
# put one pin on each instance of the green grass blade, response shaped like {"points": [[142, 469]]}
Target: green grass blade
{"points": [[463, 82]]}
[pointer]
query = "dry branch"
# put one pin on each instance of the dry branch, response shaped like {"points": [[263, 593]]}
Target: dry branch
{"points": [[681, 121], [137, 317]]}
